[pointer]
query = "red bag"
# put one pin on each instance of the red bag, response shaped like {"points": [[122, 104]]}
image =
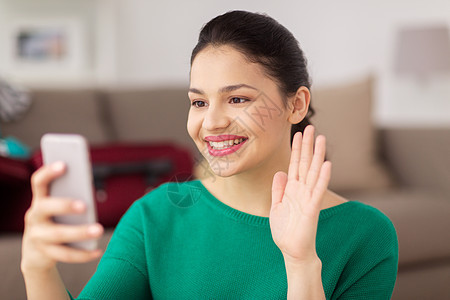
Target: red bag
{"points": [[15, 192]]}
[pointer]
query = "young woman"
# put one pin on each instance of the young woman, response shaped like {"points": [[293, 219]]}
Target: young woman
{"points": [[262, 225]]}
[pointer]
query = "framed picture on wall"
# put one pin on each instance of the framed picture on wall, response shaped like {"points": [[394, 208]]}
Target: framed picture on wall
{"points": [[48, 49], [41, 45]]}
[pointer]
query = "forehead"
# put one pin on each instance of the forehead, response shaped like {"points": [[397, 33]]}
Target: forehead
{"points": [[225, 65]]}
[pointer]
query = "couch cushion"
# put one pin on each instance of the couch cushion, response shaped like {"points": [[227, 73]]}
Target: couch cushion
{"points": [[344, 116], [421, 218], [420, 156], [62, 111], [142, 115]]}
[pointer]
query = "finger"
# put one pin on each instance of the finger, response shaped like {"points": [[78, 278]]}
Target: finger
{"points": [[317, 161], [68, 254], [295, 156], [41, 179], [307, 150], [279, 183], [49, 207], [59, 234], [322, 183]]}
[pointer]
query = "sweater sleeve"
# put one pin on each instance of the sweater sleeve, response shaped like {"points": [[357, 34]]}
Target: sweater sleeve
{"points": [[373, 278], [122, 271], [377, 283]]}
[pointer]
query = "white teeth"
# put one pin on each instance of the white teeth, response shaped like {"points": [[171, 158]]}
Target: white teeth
{"points": [[225, 144]]}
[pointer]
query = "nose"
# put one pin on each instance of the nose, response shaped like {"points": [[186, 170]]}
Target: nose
{"points": [[215, 118]]}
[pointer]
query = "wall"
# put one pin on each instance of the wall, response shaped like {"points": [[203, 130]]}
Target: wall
{"points": [[87, 19]]}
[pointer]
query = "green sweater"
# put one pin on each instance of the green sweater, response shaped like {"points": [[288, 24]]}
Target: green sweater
{"points": [[180, 242]]}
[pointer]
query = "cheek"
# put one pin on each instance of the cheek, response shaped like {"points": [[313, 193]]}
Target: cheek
{"points": [[193, 125], [265, 118], [264, 112]]}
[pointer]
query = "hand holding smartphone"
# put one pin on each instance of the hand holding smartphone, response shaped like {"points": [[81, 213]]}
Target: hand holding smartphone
{"points": [[76, 183]]}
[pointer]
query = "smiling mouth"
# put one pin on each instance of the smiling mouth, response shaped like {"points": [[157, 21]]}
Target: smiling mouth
{"points": [[225, 147], [225, 144]]}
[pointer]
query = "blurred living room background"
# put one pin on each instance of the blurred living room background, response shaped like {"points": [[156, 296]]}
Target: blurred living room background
{"points": [[117, 71]]}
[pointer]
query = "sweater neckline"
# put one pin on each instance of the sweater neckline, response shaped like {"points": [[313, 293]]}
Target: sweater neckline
{"points": [[255, 220]]}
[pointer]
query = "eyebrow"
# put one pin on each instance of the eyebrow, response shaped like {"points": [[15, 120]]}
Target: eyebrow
{"points": [[225, 89]]}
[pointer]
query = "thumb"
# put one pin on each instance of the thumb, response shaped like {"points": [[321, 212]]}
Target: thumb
{"points": [[279, 183]]}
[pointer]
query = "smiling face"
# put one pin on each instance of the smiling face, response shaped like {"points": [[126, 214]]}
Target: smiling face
{"points": [[237, 117]]}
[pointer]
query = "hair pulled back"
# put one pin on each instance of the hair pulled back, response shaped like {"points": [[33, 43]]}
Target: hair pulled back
{"points": [[263, 40]]}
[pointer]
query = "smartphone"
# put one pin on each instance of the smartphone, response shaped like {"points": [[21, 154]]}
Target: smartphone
{"points": [[77, 181]]}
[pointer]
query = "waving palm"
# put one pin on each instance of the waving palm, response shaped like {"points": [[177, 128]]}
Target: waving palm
{"points": [[297, 197]]}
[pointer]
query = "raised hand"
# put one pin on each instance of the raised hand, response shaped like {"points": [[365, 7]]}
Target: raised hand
{"points": [[297, 198]]}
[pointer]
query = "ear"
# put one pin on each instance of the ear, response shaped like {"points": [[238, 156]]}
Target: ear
{"points": [[299, 104]]}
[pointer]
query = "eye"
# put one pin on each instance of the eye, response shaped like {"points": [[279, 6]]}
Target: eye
{"points": [[198, 103], [237, 100]]}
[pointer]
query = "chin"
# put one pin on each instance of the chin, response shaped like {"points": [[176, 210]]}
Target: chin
{"points": [[222, 168], [212, 166]]}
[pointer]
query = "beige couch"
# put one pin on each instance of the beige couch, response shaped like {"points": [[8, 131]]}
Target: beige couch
{"points": [[402, 171]]}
